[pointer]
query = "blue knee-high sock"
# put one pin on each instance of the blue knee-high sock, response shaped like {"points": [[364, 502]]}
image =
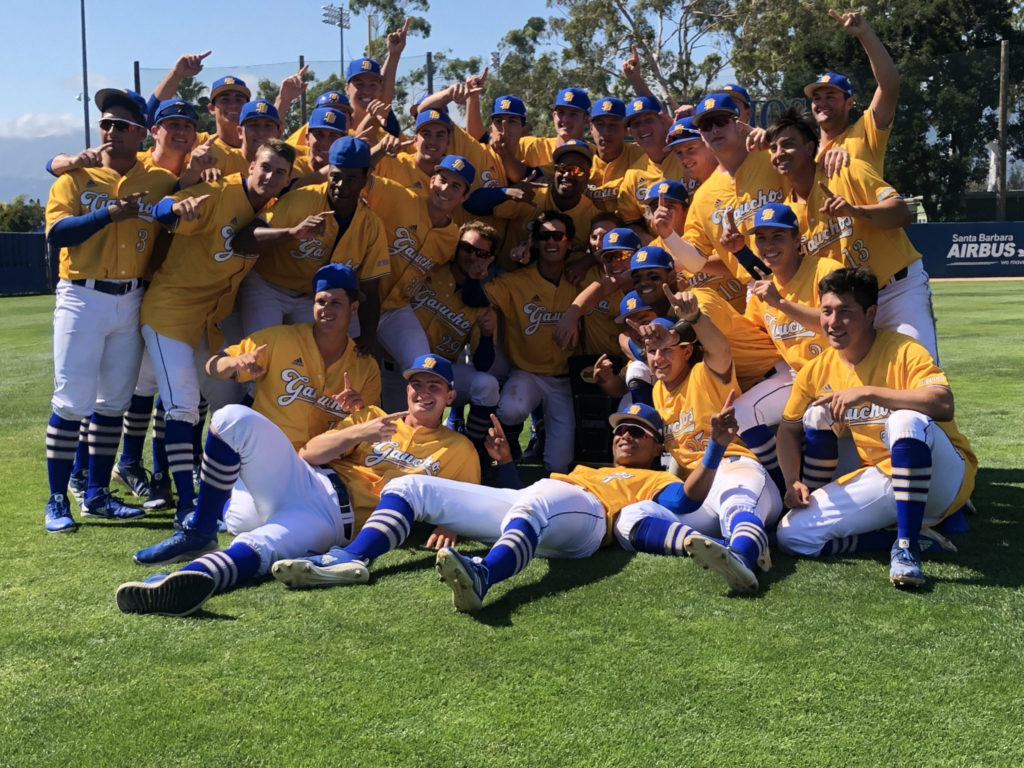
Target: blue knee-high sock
{"points": [[821, 456], [386, 529], [159, 438], [104, 437], [61, 443], [512, 552], [179, 458], [197, 431], [235, 564], [220, 468], [134, 425], [82, 449], [761, 441], [747, 536], [911, 478], [659, 537]]}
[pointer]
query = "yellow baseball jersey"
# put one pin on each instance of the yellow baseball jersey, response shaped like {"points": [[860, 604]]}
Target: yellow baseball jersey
{"points": [[632, 200], [402, 170], [617, 487], [687, 411], [600, 331], [863, 140], [753, 353], [519, 213], [438, 452], [490, 170], [755, 183], [536, 150], [894, 361], [291, 265], [229, 159], [531, 307], [297, 138], [606, 177], [855, 241], [729, 288], [295, 390], [302, 166], [194, 289], [796, 343], [447, 321], [122, 249]]}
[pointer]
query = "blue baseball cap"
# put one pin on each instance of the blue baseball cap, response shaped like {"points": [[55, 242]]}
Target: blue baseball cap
{"points": [[682, 130], [349, 152], [123, 97], [651, 257], [334, 275], [335, 99], [575, 98], [735, 90], [329, 119], [643, 416], [573, 145], [830, 80], [685, 331], [258, 108], [361, 67], [775, 215], [670, 189], [433, 116], [175, 108], [620, 239], [434, 364], [229, 83], [609, 105], [458, 165], [509, 105], [642, 105], [631, 304], [715, 104]]}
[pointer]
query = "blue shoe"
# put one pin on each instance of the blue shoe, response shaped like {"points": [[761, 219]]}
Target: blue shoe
{"points": [[905, 565], [133, 476], [77, 486], [466, 578], [160, 494], [104, 504], [712, 555], [58, 514], [175, 594], [182, 546], [184, 515], [334, 567]]}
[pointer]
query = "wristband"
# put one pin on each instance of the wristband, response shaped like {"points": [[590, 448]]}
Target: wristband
{"points": [[713, 455]]}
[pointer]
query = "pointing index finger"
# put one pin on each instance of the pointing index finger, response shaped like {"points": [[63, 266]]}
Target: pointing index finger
{"points": [[824, 188], [835, 16], [730, 399], [393, 417]]}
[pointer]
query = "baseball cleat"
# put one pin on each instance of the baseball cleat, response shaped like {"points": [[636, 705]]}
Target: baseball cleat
{"points": [[466, 578], [175, 594], [335, 567], [58, 515], [106, 505], [933, 541], [133, 476], [905, 565], [77, 486], [180, 547], [711, 555], [159, 492]]}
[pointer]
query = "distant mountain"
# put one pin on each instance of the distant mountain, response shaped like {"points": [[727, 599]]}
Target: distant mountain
{"points": [[24, 164]]}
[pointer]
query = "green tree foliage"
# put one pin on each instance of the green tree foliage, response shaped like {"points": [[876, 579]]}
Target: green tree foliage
{"points": [[268, 89], [22, 215], [391, 14], [195, 92]]}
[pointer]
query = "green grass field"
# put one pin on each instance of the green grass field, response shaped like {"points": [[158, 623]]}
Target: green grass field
{"points": [[612, 661]]}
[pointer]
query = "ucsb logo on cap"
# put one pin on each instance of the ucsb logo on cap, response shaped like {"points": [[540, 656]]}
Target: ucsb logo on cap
{"points": [[709, 103], [631, 305], [606, 106], [429, 362], [506, 103], [458, 165], [638, 104], [261, 107], [366, 64], [825, 78], [328, 118], [613, 237], [767, 214], [641, 256], [662, 189], [229, 81], [633, 410], [567, 97], [434, 114]]}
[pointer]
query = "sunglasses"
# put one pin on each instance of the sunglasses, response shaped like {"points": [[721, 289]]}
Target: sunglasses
{"points": [[633, 430], [718, 121], [545, 235], [616, 256], [570, 170], [480, 253], [121, 126]]}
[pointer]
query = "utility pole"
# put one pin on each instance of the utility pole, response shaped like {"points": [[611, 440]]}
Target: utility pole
{"points": [[1004, 74], [85, 79]]}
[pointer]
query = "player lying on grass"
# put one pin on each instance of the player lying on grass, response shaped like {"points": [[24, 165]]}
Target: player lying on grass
{"points": [[563, 516], [312, 500], [916, 466]]}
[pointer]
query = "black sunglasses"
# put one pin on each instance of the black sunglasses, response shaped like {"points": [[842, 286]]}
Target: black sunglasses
{"points": [[633, 430], [480, 253], [122, 126], [550, 234], [715, 122]]}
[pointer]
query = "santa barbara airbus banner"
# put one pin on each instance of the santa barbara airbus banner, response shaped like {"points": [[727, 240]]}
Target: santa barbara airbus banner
{"points": [[971, 249]]}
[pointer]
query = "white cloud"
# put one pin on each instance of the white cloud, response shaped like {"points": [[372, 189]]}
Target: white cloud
{"points": [[37, 125]]}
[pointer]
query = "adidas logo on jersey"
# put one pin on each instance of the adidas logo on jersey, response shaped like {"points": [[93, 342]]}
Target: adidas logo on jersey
{"points": [[297, 361]]}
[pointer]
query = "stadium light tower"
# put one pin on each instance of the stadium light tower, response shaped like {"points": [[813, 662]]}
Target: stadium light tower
{"points": [[338, 16]]}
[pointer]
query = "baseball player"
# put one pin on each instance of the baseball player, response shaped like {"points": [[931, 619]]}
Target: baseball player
{"points": [[916, 466], [856, 218], [325, 126], [308, 227], [433, 129], [194, 291], [648, 125], [612, 155], [101, 218], [305, 507], [331, 99], [569, 116]]}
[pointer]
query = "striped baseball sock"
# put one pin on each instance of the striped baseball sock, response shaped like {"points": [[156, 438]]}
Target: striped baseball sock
{"points": [[219, 470], [386, 529], [512, 552], [747, 536], [61, 442], [238, 562], [821, 456], [911, 477], [159, 439], [82, 449], [197, 431], [659, 537], [104, 437], [179, 458], [478, 422], [761, 440], [134, 425]]}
